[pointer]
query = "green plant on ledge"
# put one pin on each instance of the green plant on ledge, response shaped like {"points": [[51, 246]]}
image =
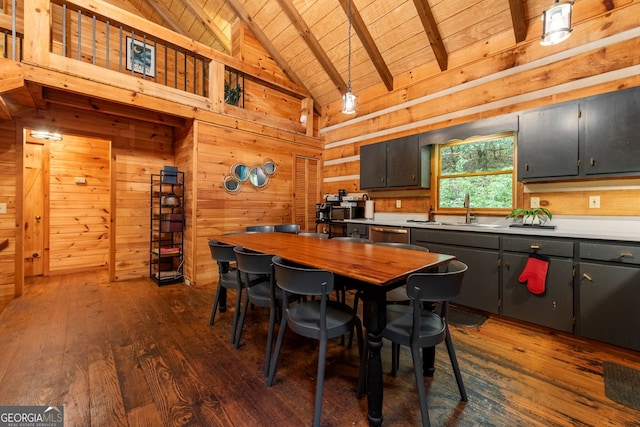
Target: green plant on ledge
{"points": [[232, 94], [531, 216]]}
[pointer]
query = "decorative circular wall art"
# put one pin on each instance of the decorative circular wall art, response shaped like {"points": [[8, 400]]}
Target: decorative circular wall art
{"points": [[257, 175]]}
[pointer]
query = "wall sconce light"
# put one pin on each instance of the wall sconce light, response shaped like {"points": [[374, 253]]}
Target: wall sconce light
{"points": [[43, 134], [349, 99], [303, 116], [556, 23]]}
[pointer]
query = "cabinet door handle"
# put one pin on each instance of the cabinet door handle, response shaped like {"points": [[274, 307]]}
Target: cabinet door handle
{"points": [[586, 276], [626, 254], [526, 167], [535, 246], [592, 161]]}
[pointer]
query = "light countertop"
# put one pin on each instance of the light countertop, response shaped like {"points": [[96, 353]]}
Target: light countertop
{"points": [[602, 228]]}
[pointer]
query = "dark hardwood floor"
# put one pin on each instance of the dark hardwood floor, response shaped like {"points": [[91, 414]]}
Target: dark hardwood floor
{"points": [[134, 354]]}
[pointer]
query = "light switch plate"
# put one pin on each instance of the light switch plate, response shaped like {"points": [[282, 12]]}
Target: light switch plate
{"points": [[3, 208], [535, 202]]}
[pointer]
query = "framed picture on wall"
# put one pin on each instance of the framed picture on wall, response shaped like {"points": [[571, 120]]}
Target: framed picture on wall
{"points": [[141, 57]]}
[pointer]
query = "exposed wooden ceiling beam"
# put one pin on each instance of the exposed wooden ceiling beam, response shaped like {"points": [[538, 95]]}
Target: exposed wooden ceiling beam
{"points": [[35, 90], [306, 34], [518, 19], [197, 10], [5, 112], [68, 99], [430, 27], [369, 44], [166, 16], [240, 11]]}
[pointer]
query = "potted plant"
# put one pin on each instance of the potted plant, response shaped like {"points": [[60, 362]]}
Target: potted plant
{"points": [[232, 94], [535, 216]]}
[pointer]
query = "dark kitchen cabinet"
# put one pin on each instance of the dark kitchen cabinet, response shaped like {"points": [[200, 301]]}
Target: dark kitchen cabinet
{"points": [[598, 136], [610, 125], [548, 142], [373, 166], [398, 163], [553, 308], [480, 286], [609, 291]]}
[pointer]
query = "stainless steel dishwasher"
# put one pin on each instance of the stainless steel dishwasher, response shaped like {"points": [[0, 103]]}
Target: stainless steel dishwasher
{"points": [[378, 233]]}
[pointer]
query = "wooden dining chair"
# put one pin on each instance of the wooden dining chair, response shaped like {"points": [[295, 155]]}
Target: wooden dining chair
{"points": [[225, 257], [415, 327], [318, 318]]}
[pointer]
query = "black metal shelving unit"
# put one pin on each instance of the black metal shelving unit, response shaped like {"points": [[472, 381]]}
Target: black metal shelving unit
{"points": [[166, 251]]}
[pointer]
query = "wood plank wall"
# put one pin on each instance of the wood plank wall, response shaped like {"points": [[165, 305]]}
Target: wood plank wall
{"points": [[584, 72], [218, 147], [138, 149], [80, 214], [8, 176]]}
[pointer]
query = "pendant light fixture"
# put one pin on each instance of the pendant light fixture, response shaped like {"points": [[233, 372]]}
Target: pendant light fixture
{"points": [[556, 23], [349, 99]]}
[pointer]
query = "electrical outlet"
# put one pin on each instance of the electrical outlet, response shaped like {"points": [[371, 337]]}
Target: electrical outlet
{"points": [[3, 208], [594, 202], [535, 202], [398, 204]]}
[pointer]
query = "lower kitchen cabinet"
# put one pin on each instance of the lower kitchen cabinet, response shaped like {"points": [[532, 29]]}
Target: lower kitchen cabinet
{"points": [[609, 294], [554, 307], [481, 283]]}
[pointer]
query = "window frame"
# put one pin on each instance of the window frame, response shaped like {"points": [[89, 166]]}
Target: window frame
{"points": [[437, 167]]}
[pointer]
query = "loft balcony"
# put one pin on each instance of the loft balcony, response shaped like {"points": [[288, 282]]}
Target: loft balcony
{"points": [[77, 52]]}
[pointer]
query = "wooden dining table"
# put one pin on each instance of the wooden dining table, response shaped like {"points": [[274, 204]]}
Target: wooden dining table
{"points": [[373, 270]]}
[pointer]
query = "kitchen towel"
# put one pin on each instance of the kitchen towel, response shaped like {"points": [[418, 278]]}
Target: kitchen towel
{"points": [[535, 273], [368, 209]]}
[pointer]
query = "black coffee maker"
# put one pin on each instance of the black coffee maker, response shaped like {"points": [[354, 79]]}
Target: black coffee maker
{"points": [[323, 211]]}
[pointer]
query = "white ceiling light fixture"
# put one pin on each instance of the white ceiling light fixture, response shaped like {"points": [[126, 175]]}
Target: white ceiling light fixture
{"points": [[349, 98], [43, 134], [556, 23]]}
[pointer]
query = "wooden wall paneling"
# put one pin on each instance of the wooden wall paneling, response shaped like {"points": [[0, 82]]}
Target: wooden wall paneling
{"points": [[612, 202], [80, 214], [216, 211], [419, 82], [138, 149], [8, 221], [185, 155]]}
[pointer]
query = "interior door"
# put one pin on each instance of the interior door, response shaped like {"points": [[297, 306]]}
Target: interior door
{"points": [[34, 224]]}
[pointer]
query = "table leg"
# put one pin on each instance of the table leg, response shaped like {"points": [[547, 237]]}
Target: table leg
{"points": [[375, 319]]}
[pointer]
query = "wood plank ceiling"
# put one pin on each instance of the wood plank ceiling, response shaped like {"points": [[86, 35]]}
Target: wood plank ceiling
{"points": [[308, 39]]}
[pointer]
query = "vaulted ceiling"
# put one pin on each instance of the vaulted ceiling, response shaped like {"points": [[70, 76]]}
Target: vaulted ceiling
{"points": [[391, 40]]}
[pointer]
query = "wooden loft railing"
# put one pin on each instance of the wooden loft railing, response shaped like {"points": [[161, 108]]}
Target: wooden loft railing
{"points": [[78, 37]]}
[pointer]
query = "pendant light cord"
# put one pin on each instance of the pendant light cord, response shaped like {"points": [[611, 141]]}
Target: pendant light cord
{"points": [[349, 56]]}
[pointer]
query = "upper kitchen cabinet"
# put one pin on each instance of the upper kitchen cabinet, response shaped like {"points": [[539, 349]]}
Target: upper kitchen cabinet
{"points": [[610, 124], [398, 163], [592, 137], [552, 129]]}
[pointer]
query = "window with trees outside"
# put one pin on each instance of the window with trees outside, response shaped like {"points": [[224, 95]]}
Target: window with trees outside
{"points": [[480, 166]]}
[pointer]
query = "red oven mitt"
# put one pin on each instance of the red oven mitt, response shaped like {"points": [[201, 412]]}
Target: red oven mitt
{"points": [[535, 273]]}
